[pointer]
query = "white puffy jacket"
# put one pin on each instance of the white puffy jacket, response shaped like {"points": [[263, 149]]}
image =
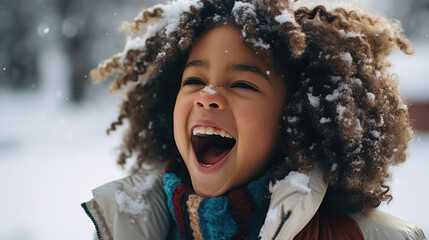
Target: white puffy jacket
{"points": [[135, 208]]}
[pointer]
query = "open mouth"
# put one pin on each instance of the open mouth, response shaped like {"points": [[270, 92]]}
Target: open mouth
{"points": [[211, 145]]}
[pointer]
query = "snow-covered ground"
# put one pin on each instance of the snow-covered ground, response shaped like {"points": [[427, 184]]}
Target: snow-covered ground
{"points": [[52, 153], [49, 162]]}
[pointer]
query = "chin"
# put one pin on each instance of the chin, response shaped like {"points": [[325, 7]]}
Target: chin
{"points": [[209, 194], [207, 191]]}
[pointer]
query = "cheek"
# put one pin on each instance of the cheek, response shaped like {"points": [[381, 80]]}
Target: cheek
{"points": [[257, 117], [258, 124], [181, 109], [179, 121]]}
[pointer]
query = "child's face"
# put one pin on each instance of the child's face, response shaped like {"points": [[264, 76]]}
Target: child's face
{"points": [[226, 88]]}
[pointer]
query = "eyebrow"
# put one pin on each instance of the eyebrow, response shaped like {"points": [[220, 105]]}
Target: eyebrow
{"points": [[247, 68], [197, 63], [231, 67]]}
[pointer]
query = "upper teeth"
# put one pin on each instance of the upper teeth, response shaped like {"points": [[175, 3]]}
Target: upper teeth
{"points": [[210, 131]]}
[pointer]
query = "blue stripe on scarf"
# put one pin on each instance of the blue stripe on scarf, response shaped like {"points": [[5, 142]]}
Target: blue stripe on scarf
{"points": [[175, 234], [215, 225], [170, 183]]}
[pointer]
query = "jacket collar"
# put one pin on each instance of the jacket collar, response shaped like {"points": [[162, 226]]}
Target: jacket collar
{"points": [[294, 201]]}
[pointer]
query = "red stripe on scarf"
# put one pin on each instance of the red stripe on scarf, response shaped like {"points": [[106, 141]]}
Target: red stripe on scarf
{"points": [[177, 197], [242, 210], [168, 167]]}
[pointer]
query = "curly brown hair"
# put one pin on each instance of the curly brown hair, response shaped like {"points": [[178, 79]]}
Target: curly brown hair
{"points": [[343, 112]]}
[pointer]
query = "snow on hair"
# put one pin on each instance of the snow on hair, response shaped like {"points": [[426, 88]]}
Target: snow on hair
{"points": [[343, 112]]}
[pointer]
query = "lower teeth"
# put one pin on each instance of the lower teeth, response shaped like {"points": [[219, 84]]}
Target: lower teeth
{"points": [[206, 165]]}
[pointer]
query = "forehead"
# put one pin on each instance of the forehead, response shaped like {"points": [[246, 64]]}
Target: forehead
{"points": [[224, 43]]}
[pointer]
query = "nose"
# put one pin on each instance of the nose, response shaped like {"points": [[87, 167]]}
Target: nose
{"points": [[210, 100]]}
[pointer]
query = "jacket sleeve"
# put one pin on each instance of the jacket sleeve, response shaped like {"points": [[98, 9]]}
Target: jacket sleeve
{"points": [[376, 224], [131, 208]]}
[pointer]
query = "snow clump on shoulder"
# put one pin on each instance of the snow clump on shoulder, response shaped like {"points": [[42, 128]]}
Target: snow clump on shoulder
{"points": [[130, 206], [144, 187], [296, 179], [134, 207]]}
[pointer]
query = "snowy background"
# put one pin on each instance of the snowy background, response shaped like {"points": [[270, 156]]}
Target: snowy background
{"points": [[53, 146]]}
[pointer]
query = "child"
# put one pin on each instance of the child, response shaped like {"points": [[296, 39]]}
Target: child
{"points": [[256, 118]]}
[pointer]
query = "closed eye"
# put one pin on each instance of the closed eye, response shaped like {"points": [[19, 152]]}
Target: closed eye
{"points": [[245, 85], [193, 81]]}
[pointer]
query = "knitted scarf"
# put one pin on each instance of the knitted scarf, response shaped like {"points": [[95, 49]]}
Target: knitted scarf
{"points": [[239, 214]]}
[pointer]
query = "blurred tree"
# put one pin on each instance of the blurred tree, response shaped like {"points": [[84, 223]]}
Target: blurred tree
{"points": [[88, 25], [17, 48], [76, 25], [84, 31]]}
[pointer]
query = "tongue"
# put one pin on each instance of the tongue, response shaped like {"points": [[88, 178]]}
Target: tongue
{"points": [[213, 155]]}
